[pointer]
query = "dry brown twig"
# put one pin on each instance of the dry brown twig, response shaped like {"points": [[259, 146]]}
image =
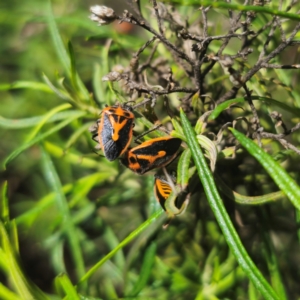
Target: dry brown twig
{"points": [[198, 61]]}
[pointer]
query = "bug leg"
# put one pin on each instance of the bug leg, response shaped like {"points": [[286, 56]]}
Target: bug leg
{"points": [[93, 128], [95, 137], [146, 132]]}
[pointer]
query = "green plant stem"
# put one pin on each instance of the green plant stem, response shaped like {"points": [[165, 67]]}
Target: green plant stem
{"points": [[247, 200], [128, 239], [41, 137], [221, 214], [283, 180], [67, 222]]}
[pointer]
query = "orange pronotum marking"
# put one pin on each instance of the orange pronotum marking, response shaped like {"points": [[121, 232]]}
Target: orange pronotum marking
{"points": [[117, 127]]}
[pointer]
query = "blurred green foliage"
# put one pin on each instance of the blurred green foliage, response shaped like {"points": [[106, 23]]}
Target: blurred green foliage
{"points": [[65, 207]]}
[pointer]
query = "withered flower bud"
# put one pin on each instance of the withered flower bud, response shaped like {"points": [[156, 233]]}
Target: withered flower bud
{"points": [[112, 76], [226, 61], [134, 63], [103, 15]]}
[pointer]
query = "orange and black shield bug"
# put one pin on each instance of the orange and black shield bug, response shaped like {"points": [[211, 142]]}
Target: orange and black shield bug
{"points": [[162, 191], [115, 130], [151, 154]]}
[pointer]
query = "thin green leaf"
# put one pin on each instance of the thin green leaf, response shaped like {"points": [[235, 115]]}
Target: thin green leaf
{"points": [[272, 260], [77, 134], [183, 168], [122, 244], [177, 127], [4, 209], [228, 265], [41, 137], [270, 101], [57, 252], [29, 215], [210, 148], [104, 167], [247, 200], [75, 79], [73, 66], [84, 214], [285, 79], [202, 122], [212, 290], [242, 7], [25, 288], [14, 237], [146, 270], [6, 294], [109, 290], [44, 120], [206, 274], [79, 189], [199, 126], [62, 53], [252, 292], [29, 122], [98, 86], [112, 241], [83, 186], [221, 214], [37, 86], [61, 93], [114, 93], [64, 281], [284, 181], [221, 107], [105, 61], [53, 180], [58, 43], [197, 103]]}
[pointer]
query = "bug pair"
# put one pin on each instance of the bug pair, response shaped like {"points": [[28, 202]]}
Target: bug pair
{"points": [[114, 133]]}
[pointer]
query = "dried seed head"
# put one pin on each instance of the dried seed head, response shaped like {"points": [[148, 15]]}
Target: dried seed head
{"points": [[134, 63], [275, 115], [226, 61], [103, 15], [112, 76], [115, 74]]}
